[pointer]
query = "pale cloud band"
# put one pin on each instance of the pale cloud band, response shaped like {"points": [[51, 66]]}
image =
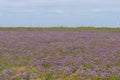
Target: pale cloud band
{"points": [[52, 2]]}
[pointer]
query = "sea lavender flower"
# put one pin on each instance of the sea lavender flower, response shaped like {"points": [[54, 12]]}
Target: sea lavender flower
{"points": [[74, 52], [105, 74]]}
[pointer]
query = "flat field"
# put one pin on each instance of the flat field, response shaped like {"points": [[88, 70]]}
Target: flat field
{"points": [[60, 54]]}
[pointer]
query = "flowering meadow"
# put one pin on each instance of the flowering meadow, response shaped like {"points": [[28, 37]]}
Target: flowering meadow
{"points": [[59, 55]]}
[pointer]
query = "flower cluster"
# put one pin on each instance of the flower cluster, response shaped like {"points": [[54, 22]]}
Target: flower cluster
{"points": [[59, 55]]}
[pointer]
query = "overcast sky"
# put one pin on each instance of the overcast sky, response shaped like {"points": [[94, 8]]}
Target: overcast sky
{"points": [[60, 13]]}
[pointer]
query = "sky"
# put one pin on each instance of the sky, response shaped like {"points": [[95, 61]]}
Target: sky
{"points": [[44, 13]]}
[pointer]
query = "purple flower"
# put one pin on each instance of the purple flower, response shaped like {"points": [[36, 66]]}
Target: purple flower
{"points": [[105, 74]]}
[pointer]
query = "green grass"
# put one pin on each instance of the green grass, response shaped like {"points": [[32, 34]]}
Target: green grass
{"points": [[61, 28]]}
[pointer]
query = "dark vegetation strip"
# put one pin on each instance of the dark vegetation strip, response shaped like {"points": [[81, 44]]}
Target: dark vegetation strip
{"points": [[61, 28]]}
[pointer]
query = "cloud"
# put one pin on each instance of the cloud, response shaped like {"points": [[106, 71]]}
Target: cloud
{"points": [[20, 3], [28, 2], [58, 9], [59, 3]]}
